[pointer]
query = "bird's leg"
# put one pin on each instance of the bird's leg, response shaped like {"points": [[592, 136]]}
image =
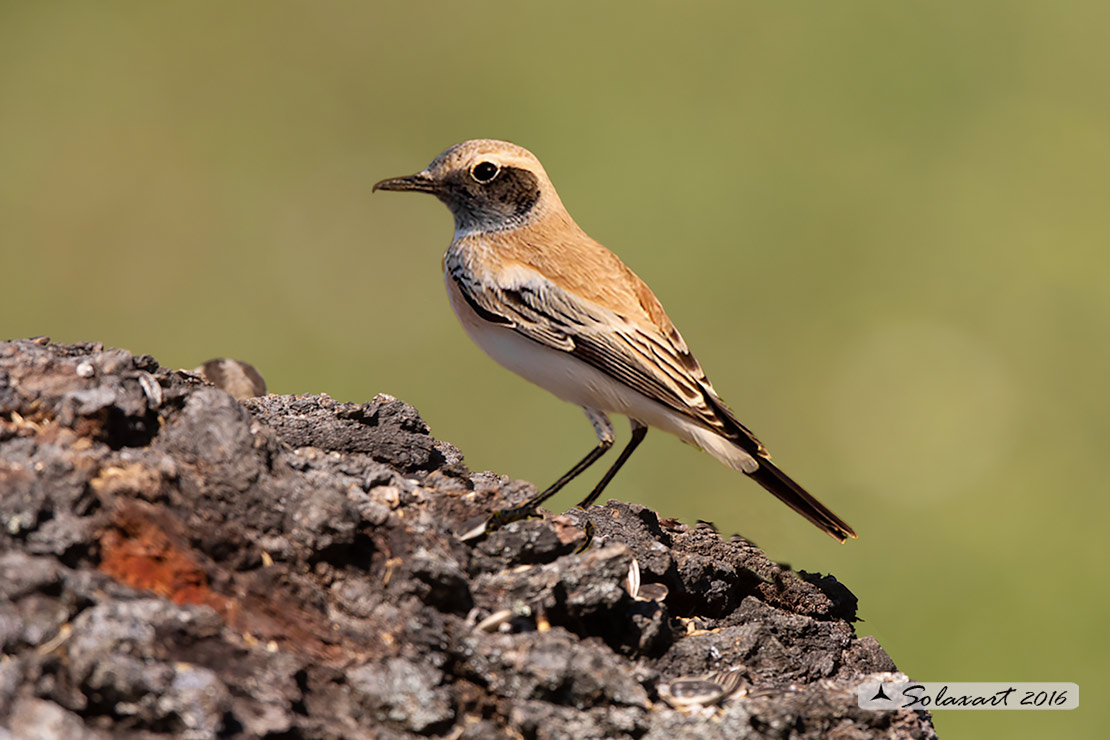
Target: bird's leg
{"points": [[604, 429], [639, 431]]}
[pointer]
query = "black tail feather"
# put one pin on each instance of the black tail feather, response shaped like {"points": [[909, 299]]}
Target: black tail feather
{"points": [[798, 499]]}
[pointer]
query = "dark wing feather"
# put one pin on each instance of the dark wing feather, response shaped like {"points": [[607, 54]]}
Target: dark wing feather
{"points": [[649, 364], [661, 368]]}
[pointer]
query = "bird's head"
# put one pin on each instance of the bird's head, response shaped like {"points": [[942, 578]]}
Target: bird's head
{"points": [[489, 185]]}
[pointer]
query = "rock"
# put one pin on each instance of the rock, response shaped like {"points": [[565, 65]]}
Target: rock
{"points": [[403, 693], [176, 563]]}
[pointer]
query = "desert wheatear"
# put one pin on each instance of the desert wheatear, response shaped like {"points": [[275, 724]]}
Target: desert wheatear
{"points": [[546, 301]]}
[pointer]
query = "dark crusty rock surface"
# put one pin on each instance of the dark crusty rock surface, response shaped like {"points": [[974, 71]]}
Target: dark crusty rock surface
{"points": [[174, 563]]}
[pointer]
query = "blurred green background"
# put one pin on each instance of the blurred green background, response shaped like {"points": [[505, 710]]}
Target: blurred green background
{"points": [[882, 227]]}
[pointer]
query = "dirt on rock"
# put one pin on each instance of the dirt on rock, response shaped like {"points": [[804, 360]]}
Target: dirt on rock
{"points": [[178, 564]]}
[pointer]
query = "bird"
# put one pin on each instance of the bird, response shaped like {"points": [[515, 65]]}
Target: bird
{"points": [[546, 301]]}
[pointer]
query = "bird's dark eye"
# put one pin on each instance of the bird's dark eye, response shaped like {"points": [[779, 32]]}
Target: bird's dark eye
{"points": [[484, 171]]}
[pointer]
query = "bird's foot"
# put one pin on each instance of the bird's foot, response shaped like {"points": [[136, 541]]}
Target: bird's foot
{"points": [[499, 519], [588, 530]]}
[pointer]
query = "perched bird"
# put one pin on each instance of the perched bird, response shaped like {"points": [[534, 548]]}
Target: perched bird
{"points": [[546, 301]]}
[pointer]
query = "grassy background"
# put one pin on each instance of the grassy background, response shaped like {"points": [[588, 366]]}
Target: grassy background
{"points": [[883, 228]]}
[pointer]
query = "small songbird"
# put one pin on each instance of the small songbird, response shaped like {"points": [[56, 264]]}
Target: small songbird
{"points": [[546, 301]]}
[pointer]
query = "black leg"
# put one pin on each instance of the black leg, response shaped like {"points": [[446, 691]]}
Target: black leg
{"points": [[602, 447], [639, 431], [528, 509], [604, 430]]}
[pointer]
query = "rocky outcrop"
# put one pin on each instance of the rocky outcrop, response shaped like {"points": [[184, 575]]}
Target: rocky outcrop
{"points": [[175, 563]]}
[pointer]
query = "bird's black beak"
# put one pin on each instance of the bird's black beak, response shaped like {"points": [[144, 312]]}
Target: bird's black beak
{"points": [[421, 182]]}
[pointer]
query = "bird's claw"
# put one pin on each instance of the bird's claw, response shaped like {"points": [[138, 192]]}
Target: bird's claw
{"points": [[588, 530], [499, 519]]}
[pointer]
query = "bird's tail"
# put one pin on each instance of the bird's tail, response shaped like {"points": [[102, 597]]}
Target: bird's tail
{"points": [[738, 448], [797, 498]]}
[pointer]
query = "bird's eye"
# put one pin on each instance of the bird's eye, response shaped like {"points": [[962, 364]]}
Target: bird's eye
{"points": [[484, 171]]}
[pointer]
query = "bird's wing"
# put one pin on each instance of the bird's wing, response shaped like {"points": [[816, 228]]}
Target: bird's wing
{"points": [[647, 361]]}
